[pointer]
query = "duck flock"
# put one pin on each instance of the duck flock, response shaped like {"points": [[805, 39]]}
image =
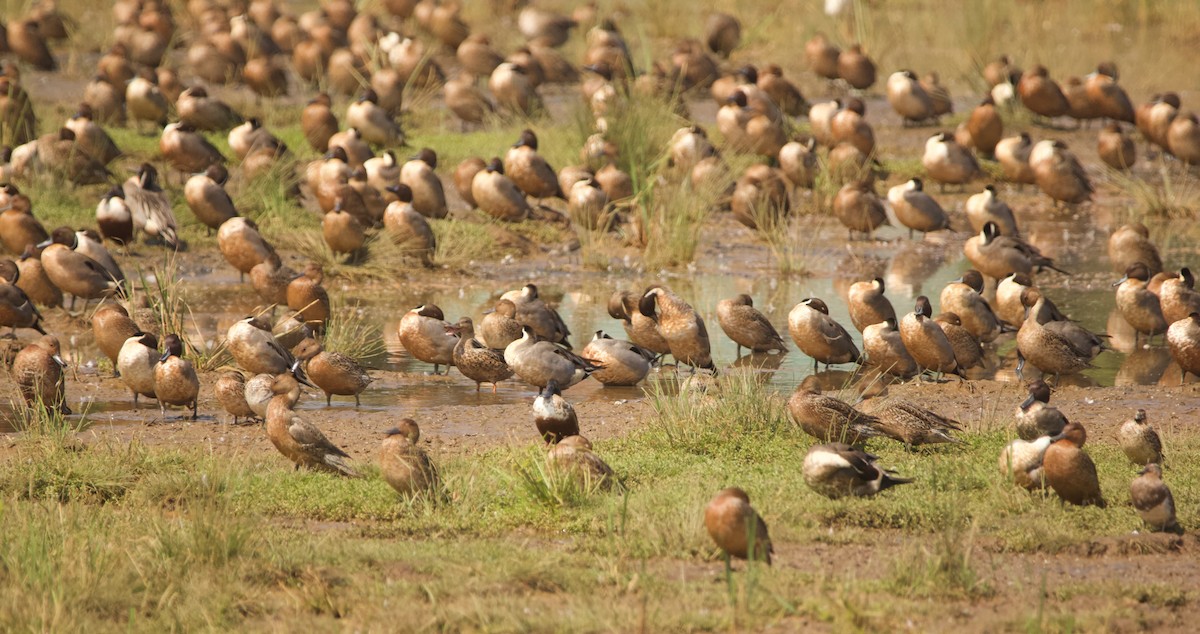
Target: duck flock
{"points": [[158, 74]]}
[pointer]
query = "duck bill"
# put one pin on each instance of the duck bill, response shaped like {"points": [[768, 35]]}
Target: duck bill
{"points": [[163, 359], [1028, 402], [1120, 281], [59, 361], [45, 243]]}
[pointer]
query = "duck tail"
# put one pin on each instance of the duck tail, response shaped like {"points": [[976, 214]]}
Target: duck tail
{"points": [[170, 237], [341, 465], [890, 480]]}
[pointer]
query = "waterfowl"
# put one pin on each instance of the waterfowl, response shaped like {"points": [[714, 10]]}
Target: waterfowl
{"points": [[464, 178], [849, 125], [1040, 94], [76, 273], [575, 456], [425, 188], [408, 229], [1058, 173], [307, 296], [1183, 340], [1110, 99], [1177, 298], [1162, 113], [38, 372], [16, 309], [201, 112], [1115, 148], [949, 163], [746, 326], [1079, 106], [32, 279], [373, 121], [681, 326], [760, 198], [136, 365], [537, 362], [498, 195], [270, 280], [343, 232], [252, 136], [820, 117], [18, 227], [404, 464], [423, 333], [968, 353], [206, 197], [175, 381], [354, 148], [912, 425], [782, 92], [553, 415], [736, 528], [722, 33], [799, 162], [552, 28], [254, 348], [466, 100], [514, 90], [318, 122], [925, 340], [230, 391], [939, 95], [1035, 417], [838, 470], [587, 205], [297, 439], [641, 329], [985, 207], [1139, 441], [149, 206], [916, 209], [1021, 460], [333, 372], [1153, 500], [26, 41], [1008, 298], [475, 360], [868, 305], [1049, 350], [242, 245], [114, 218], [908, 98], [290, 330], [1070, 471], [532, 311], [1137, 304], [964, 298], [822, 56], [984, 128], [620, 362], [1183, 138], [1131, 243], [382, 171], [858, 208], [885, 349], [829, 419], [529, 170], [855, 68], [1013, 155], [997, 255], [820, 336], [90, 137], [111, 327]]}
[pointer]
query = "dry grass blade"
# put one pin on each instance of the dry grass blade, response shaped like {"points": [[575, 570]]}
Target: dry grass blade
{"points": [[350, 333]]}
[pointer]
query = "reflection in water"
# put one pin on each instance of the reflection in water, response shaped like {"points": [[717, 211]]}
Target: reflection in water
{"points": [[1144, 366]]}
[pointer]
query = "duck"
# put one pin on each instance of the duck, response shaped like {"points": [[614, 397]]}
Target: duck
{"points": [[908, 98], [499, 326], [1013, 155], [968, 353], [26, 41], [175, 380], [373, 122], [464, 178], [90, 137], [681, 326], [16, 309], [820, 117], [722, 33], [242, 245], [497, 195], [1162, 114], [32, 279], [782, 92], [642, 330], [587, 205], [38, 372], [467, 101], [354, 149], [1110, 99], [939, 95], [1040, 94], [858, 208], [1115, 148], [1079, 106], [760, 198], [475, 360], [1131, 243], [983, 129], [949, 163], [253, 136], [621, 362], [868, 305], [424, 333], [428, 196], [297, 439], [206, 197], [318, 122], [1048, 350], [307, 295], [912, 425], [76, 273], [89, 243], [136, 365], [144, 100], [925, 340], [270, 280], [201, 112], [332, 372], [838, 470], [964, 297], [1021, 461], [1177, 297], [1153, 500], [230, 391], [855, 68], [532, 311], [746, 326], [849, 125], [1035, 417], [820, 336], [999, 70], [407, 228], [916, 209], [1183, 138], [1069, 471], [736, 528], [537, 361], [574, 455], [986, 207], [150, 207], [258, 392], [18, 227], [885, 349], [404, 464], [514, 90], [1008, 299], [822, 56], [800, 163], [1140, 441], [111, 327], [997, 255], [829, 419], [290, 330], [552, 28], [529, 170], [343, 233], [1141, 308], [1058, 173], [186, 150], [553, 415], [1183, 340], [113, 217], [254, 348], [382, 171]]}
